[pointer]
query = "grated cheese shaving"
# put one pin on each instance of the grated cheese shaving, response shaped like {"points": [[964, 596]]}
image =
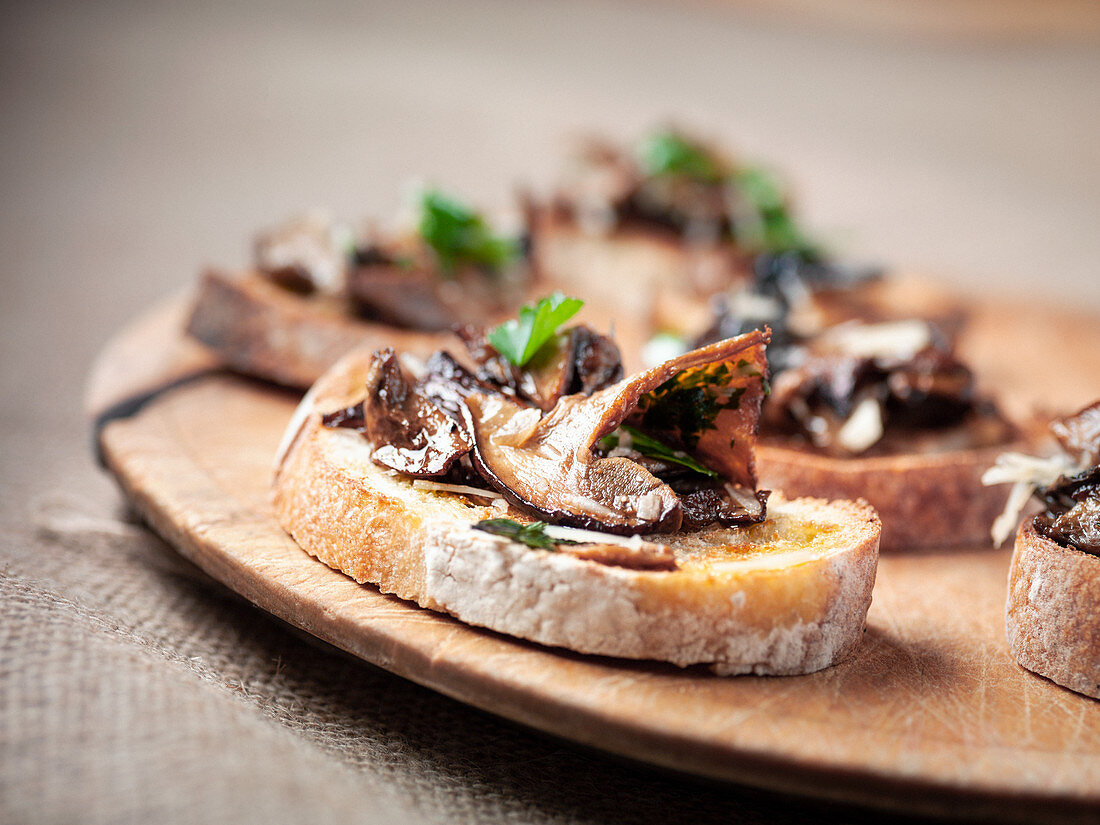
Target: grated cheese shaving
{"points": [[461, 489], [754, 307], [555, 531], [892, 339], [863, 427], [649, 506], [1027, 474], [1006, 522]]}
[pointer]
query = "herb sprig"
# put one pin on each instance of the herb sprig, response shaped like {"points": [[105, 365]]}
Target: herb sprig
{"points": [[519, 339], [458, 235], [765, 223], [774, 228], [690, 401], [652, 448], [533, 535], [670, 153]]}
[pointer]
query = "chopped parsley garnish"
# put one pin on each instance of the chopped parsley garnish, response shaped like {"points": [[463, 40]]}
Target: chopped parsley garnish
{"points": [[652, 448], [533, 535], [774, 229], [669, 153], [458, 235], [519, 340], [690, 401], [768, 226]]}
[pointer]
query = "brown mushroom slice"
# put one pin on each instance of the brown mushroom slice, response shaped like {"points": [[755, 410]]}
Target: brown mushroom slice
{"points": [[645, 556], [410, 434], [930, 389], [547, 376], [547, 462], [596, 361], [447, 384], [581, 361], [553, 471], [1079, 433], [1079, 526], [727, 504], [494, 370]]}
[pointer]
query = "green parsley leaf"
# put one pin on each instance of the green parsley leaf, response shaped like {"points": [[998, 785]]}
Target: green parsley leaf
{"points": [[774, 229], [651, 447], [690, 401], [533, 535], [461, 236], [519, 340], [670, 153]]}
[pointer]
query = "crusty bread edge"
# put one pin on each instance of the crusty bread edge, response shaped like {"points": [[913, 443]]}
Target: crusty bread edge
{"points": [[1052, 613], [419, 545], [924, 500], [264, 331]]}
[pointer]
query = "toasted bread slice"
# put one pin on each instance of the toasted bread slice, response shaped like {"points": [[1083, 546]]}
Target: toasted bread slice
{"points": [[262, 330], [633, 269], [925, 500], [1052, 615], [787, 596]]}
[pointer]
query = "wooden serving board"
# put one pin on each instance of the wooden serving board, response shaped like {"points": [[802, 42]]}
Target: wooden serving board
{"points": [[931, 715]]}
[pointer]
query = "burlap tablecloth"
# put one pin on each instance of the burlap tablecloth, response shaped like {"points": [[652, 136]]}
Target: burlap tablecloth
{"points": [[140, 142]]}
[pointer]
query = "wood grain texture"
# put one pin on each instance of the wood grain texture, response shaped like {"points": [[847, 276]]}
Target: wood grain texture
{"points": [[153, 354], [932, 714]]}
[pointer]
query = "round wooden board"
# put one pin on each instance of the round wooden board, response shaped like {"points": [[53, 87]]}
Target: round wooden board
{"points": [[931, 715]]}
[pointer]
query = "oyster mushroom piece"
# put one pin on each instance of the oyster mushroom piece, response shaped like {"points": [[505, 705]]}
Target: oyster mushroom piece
{"points": [[410, 434], [707, 400], [1078, 527], [448, 384], [726, 504]]}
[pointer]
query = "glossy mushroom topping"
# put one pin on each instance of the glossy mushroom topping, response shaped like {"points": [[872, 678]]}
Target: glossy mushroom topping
{"points": [[705, 402], [452, 267], [1072, 511], [1067, 484], [866, 389], [561, 439], [400, 290], [673, 183], [409, 433], [1071, 515], [1079, 434]]}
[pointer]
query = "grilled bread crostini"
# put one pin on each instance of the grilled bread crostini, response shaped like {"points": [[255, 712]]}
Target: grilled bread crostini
{"points": [[527, 487]]}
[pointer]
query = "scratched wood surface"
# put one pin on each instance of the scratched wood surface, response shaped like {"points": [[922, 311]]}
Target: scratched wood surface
{"points": [[931, 715]]}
